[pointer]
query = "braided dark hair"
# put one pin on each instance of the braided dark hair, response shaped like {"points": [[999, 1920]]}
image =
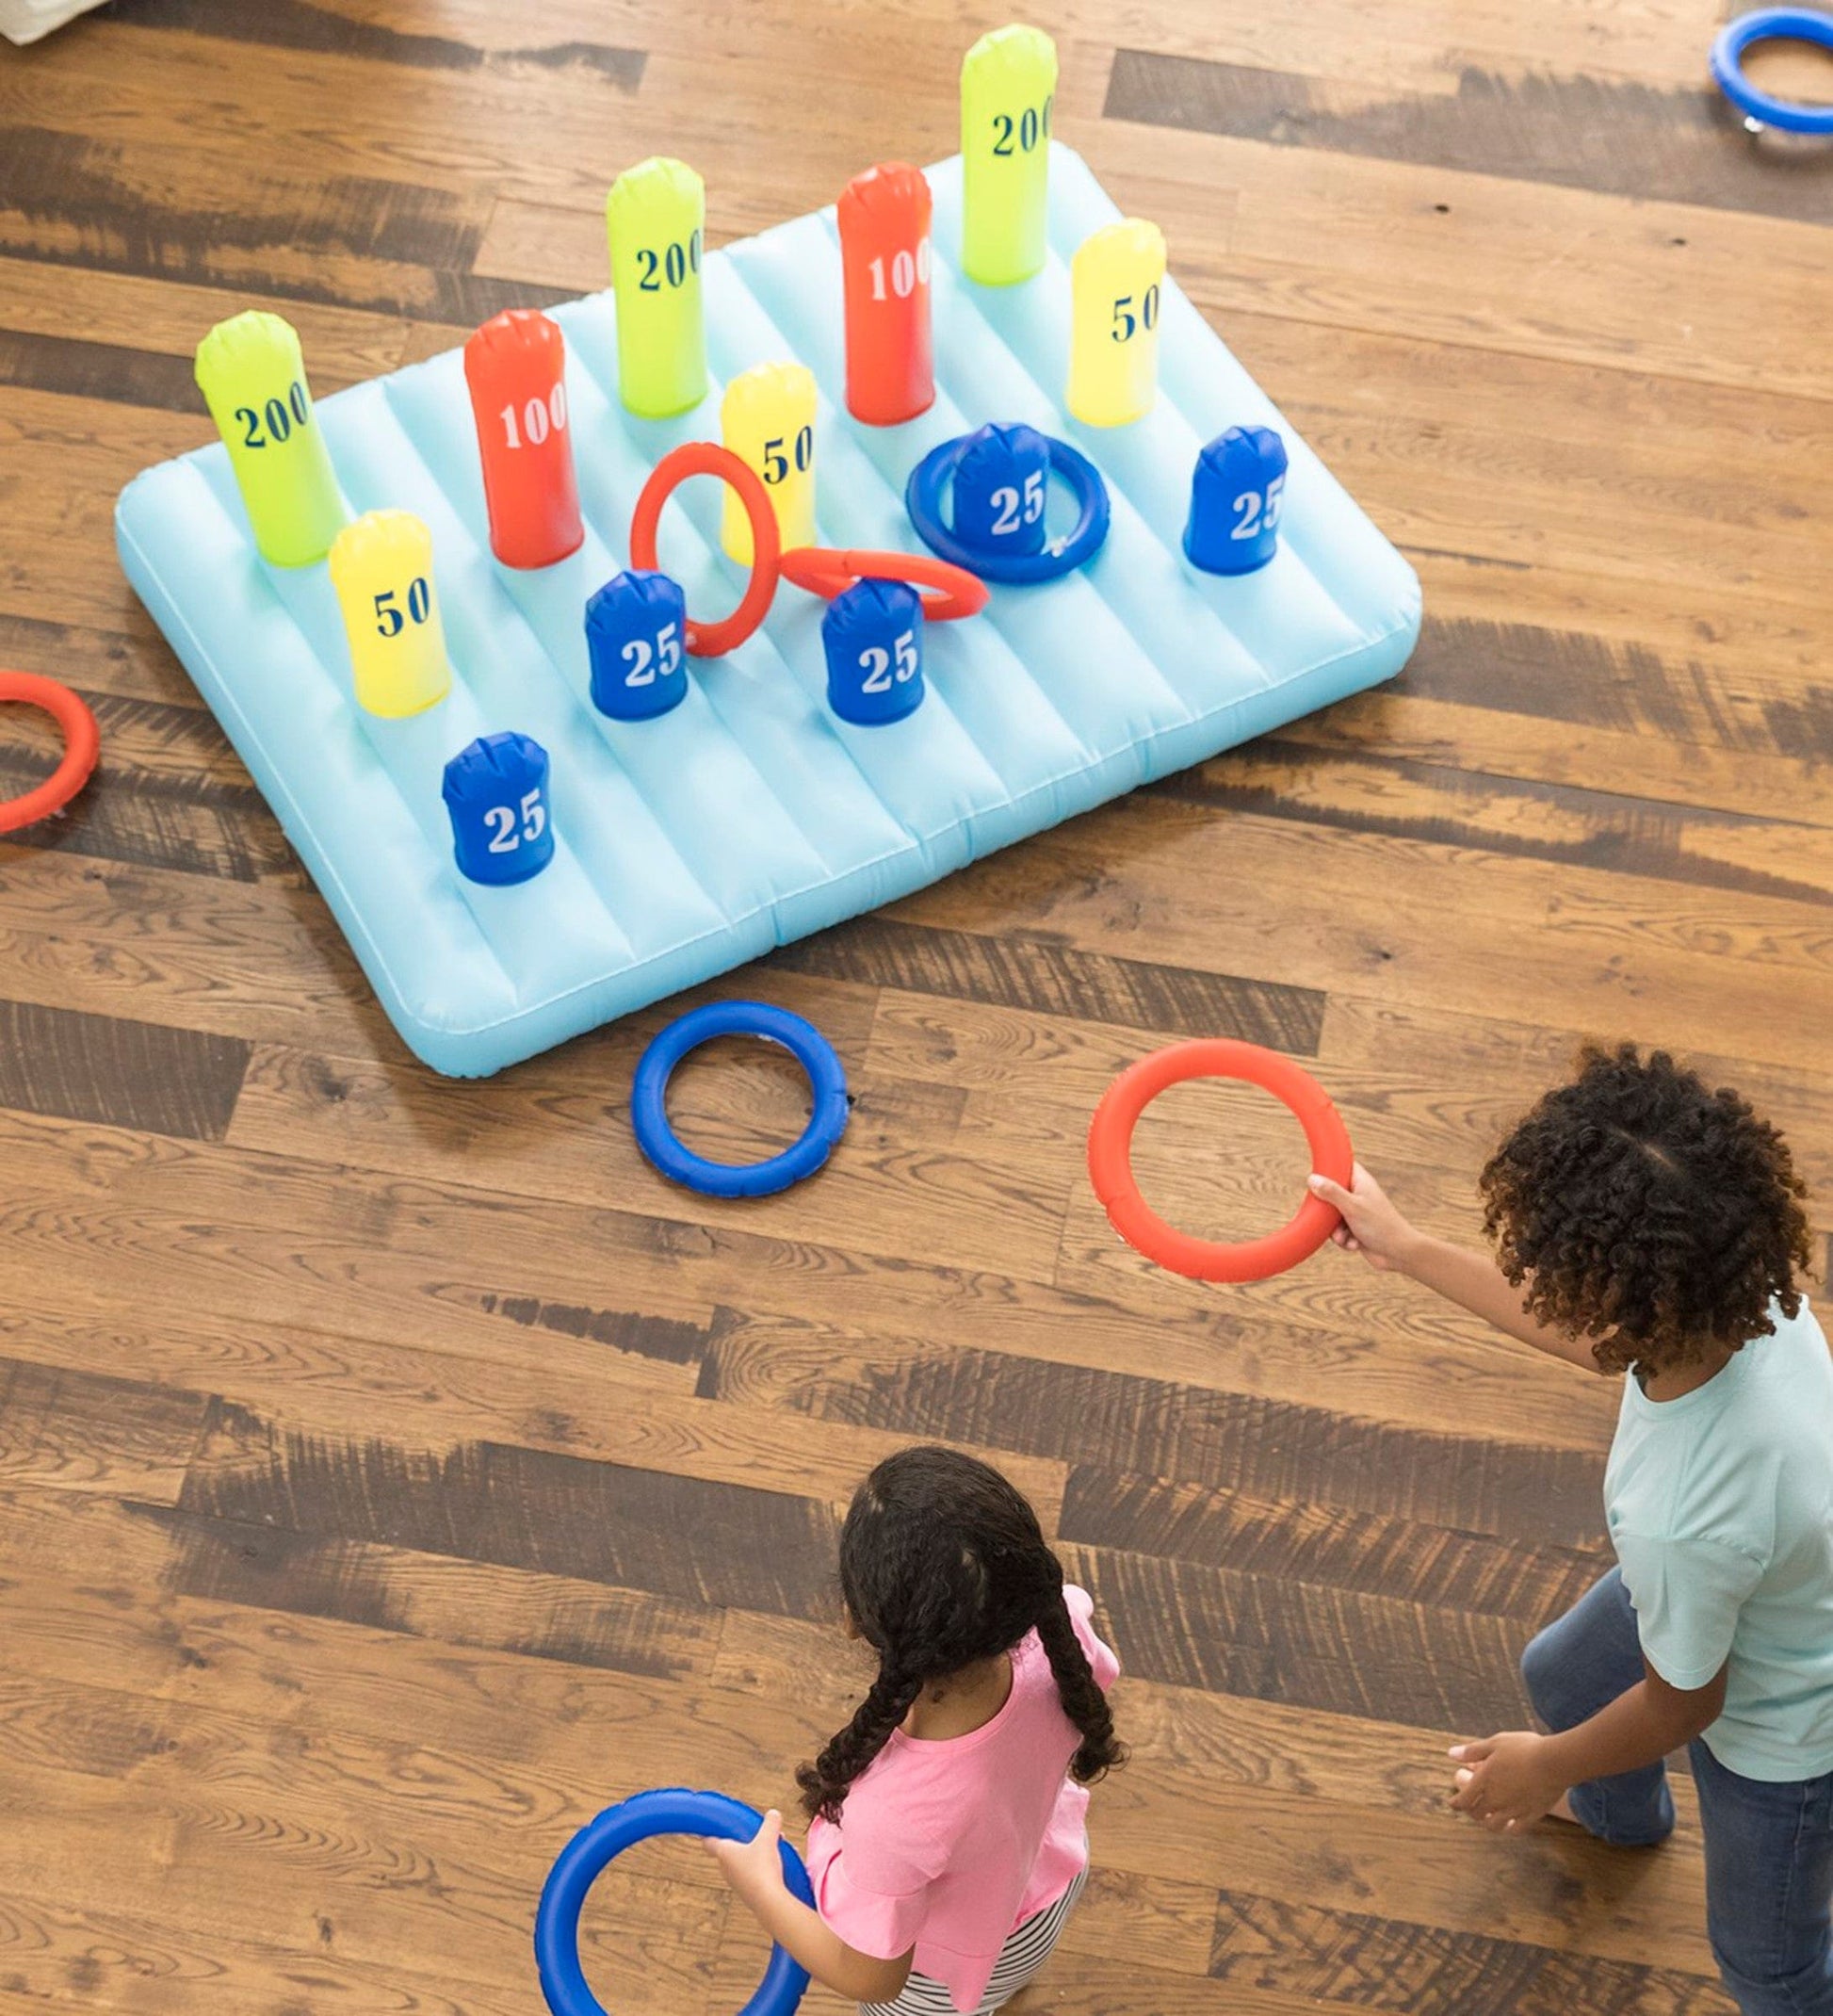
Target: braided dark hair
{"points": [[943, 1563], [1646, 1212]]}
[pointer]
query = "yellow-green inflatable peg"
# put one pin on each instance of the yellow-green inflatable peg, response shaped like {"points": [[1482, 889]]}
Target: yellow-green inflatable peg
{"points": [[656, 220], [252, 375], [1115, 280], [1008, 86], [381, 568], [768, 419]]}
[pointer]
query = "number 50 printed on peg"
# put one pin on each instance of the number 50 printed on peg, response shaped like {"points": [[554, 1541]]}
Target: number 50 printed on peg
{"points": [[381, 568]]}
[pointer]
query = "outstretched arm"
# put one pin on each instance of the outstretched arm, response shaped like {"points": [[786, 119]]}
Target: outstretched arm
{"points": [[755, 1870], [1373, 1227], [1509, 1780]]}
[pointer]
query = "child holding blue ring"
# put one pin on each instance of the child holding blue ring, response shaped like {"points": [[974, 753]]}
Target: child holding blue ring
{"points": [[946, 1843]]}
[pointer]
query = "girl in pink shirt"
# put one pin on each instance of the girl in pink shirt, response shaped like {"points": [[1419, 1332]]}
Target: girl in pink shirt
{"points": [[947, 1842]]}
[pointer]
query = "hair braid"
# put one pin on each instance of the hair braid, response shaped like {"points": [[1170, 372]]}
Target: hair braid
{"points": [[825, 1782], [943, 1565], [1080, 1693]]}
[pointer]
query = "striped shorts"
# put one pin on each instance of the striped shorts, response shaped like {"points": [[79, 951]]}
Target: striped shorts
{"points": [[1020, 1960]]}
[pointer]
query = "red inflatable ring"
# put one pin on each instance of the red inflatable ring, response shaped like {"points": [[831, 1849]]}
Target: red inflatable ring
{"points": [[1110, 1159], [705, 458], [82, 746], [827, 572]]}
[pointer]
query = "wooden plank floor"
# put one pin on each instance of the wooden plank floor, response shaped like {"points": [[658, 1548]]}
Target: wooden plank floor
{"points": [[394, 1471]]}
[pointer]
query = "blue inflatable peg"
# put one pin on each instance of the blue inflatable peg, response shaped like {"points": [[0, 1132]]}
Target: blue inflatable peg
{"points": [[873, 636], [496, 792], [636, 631], [1236, 495], [1002, 483]]}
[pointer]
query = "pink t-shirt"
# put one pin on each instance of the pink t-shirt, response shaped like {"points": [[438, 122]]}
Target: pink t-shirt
{"points": [[949, 1846]]}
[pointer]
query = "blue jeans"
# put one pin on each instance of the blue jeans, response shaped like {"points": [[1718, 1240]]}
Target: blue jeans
{"points": [[1769, 1847]]}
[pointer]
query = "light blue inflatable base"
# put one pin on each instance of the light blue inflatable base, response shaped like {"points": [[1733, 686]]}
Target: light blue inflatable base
{"points": [[750, 816]]}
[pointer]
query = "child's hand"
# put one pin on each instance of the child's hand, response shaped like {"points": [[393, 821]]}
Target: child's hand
{"points": [[1372, 1227], [1506, 1783], [753, 1868]]}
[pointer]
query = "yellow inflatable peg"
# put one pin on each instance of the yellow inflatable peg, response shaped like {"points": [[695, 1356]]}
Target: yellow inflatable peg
{"points": [[252, 376], [656, 220], [768, 419], [1008, 86], [381, 568], [1116, 279]]}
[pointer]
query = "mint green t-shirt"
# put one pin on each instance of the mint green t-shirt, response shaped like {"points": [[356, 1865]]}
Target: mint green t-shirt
{"points": [[1721, 1510]]}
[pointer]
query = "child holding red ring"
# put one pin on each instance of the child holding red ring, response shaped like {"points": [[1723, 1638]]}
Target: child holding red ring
{"points": [[947, 1842], [1647, 1225]]}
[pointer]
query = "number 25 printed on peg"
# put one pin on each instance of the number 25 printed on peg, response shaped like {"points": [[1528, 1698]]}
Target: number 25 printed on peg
{"points": [[875, 662], [1258, 511], [506, 831], [1010, 515], [646, 661]]}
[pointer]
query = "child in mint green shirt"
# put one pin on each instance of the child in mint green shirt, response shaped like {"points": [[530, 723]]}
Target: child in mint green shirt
{"points": [[1650, 1226]]}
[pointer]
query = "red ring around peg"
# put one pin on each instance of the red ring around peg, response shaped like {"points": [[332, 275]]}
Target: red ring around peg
{"points": [[827, 572], [705, 458]]}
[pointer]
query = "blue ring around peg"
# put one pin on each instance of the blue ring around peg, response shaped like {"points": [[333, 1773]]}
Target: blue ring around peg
{"points": [[922, 498], [1771, 24], [827, 1080], [591, 1851]]}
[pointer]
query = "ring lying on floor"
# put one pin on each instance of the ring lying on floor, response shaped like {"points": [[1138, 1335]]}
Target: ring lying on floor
{"points": [[82, 747], [923, 500], [1110, 1159], [827, 1080], [590, 1853], [1771, 24]]}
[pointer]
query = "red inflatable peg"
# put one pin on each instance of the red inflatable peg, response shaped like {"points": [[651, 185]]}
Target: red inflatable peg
{"points": [[516, 366], [885, 249]]}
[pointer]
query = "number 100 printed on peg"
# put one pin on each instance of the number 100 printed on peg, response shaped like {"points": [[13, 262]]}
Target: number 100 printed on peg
{"points": [[516, 368], [252, 375], [1115, 280], [883, 219], [381, 568], [656, 221], [1008, 87]]}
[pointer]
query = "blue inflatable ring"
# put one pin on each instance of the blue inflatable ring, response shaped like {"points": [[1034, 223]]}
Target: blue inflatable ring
{"points": [[827, 1080], [922, 498], [586, 1857], [1772, 24]]}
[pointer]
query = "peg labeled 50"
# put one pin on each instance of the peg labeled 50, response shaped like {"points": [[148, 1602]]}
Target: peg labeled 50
{"points": [[381, 568]]}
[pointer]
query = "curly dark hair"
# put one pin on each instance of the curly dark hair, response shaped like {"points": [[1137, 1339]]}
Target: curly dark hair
{"points": [[1643, 1210], [943, 1563]]}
